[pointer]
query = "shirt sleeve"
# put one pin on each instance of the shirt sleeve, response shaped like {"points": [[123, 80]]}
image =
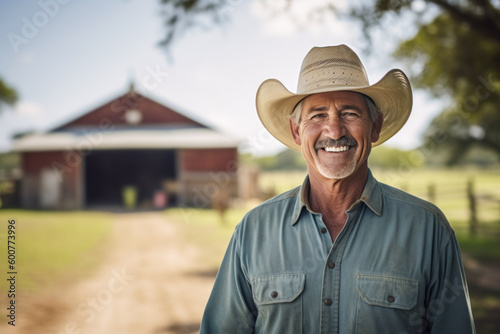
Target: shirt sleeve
{"points": [[448, 309], [230, 308]]}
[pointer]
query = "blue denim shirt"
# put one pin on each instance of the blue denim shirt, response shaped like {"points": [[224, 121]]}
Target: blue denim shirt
{"points": [[394, 268]]}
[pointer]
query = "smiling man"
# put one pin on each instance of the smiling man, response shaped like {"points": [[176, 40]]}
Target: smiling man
{"points": [[342, 253]]}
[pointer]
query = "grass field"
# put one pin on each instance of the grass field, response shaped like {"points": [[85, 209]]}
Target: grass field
{"points": [[51, 246]]}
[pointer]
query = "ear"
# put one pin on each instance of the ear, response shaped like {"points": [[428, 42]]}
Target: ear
{"points": [[294, 129], [377, 127]]}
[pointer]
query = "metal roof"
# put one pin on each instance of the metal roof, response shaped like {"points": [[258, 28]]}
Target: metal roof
{"points": [[87, 140]]}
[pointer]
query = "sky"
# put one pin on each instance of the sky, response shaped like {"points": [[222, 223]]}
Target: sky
{"points": [[67, 57]]}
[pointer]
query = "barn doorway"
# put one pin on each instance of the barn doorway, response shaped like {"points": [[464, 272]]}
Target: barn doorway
{"points": [[142, 174]]}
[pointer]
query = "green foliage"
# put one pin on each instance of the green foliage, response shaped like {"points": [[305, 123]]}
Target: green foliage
{"points": [[7, 94], [453, 56], [10, 160], [287, 159], [385, 157]]}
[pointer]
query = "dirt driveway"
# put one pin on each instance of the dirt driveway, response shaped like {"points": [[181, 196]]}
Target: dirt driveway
{"points": [[149, 282]]}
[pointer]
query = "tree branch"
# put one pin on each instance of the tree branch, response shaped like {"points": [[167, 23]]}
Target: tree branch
{"points": [[485, 24]]}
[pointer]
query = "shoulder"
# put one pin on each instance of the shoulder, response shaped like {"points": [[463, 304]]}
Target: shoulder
{"points": [[396, 198], [272, 211], [277, 203]]}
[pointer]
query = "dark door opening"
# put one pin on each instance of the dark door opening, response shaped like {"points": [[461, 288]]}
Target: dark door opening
{"points": [[108, 173]]}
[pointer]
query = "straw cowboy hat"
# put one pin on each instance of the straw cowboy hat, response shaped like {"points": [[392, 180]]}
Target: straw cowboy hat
{"points": [[330, 69]]}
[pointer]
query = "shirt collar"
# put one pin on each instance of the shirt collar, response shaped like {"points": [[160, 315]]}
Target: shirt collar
{"points": [[371, 196]]}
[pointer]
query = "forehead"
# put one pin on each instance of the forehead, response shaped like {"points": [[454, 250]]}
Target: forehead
{"points": [[338, 98]]}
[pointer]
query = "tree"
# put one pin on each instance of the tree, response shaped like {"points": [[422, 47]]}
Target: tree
{"points": [[454, 54], [7, 94]]}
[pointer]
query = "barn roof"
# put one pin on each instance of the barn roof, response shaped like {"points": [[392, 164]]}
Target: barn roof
{"points": [[130, 121], [88, 140]]}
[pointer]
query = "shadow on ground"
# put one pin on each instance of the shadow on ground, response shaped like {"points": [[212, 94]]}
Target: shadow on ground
{"points": [[178, 328]]}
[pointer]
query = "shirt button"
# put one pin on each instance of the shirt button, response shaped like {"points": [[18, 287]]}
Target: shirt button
{"points": [[274, 294], [328, 302], [323, 230], [391, 299], [331, 265]]}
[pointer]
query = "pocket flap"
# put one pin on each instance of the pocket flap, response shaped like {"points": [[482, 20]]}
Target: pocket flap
{"points": [[277, 288], [388, 291]]}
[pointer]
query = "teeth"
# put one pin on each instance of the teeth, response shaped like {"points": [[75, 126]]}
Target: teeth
{"points": [[337, 149]]}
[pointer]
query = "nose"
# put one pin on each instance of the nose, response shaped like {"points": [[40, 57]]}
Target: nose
{"points": [[334, 128]]}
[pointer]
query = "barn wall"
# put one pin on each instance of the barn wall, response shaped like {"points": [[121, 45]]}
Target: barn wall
{"points": [[206, 175], [52, 180], [206, 160]]}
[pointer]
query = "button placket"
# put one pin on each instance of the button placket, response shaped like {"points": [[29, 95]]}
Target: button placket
{"points": [[331, 289]]}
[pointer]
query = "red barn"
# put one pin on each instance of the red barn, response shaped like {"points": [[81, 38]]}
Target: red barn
{"points": [[130, 150]]}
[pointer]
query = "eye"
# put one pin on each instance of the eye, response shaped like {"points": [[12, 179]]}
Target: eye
{"points": [[350, 116], [317, 116]]}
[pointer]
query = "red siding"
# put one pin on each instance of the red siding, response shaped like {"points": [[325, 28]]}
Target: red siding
{"points": [[113, 112], [68, 163], [205, 160], [34, 162]]}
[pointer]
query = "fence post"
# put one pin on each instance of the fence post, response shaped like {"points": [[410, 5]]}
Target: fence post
{"points": [[472, 207], [431, 192]]}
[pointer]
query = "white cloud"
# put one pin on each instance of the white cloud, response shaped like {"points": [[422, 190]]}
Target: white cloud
{"points": [[28, 108], [285, 18]]}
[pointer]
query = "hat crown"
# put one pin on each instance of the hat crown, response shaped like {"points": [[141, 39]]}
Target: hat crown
{"points": [[330, 68]]}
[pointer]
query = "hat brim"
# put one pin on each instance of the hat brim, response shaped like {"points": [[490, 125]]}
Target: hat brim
{"points": [[392, 95]]}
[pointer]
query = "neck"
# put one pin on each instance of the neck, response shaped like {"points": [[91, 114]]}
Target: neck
{"points": [[332, 198]]}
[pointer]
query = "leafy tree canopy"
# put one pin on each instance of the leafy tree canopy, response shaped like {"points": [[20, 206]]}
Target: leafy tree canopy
{"points": [[454, 54]]}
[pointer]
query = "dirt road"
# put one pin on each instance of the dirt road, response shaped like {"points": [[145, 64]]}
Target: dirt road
{"points": [[149, 282]]}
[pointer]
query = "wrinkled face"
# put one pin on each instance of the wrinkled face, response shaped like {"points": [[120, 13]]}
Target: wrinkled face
{"points": [[335, 133]]}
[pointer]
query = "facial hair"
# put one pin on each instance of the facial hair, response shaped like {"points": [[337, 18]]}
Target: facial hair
{"points": [[346, 170]]}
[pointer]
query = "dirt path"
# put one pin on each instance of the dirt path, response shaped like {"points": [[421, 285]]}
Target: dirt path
{"points": [[485, 276], [149, 282]]}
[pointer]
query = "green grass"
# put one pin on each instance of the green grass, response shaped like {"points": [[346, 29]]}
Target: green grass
{"points": [[281, 181], [483, 248], [51, 246]]}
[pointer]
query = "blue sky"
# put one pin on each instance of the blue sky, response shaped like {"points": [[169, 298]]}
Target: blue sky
{"points": [[67, 57]]}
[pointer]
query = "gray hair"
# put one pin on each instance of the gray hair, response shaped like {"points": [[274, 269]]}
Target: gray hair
{"points": [[370, 105]]}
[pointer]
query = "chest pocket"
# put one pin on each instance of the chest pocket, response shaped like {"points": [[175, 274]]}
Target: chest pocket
{"points": [[387, 291], [278, 298], [385, 300], [278, 288]]}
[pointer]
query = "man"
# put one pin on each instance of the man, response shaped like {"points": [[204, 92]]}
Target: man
{"points": [[343, 253]]}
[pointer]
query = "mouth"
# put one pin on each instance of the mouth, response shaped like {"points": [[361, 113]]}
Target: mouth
{"points": [[336, 149], [329, 145]]}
